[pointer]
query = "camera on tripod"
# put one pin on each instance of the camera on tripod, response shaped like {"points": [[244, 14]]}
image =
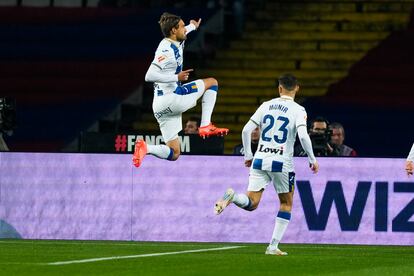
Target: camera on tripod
{"points": [[320, 142]]}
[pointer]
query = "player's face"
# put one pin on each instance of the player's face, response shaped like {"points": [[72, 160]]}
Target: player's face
{"points": [[191, 127], [337, 137], [180, 31]]}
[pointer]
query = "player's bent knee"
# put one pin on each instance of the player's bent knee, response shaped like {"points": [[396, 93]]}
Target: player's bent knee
{"points": [[214, 82], [211, 83]]}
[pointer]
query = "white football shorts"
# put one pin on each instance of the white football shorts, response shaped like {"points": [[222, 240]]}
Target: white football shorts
{"points": [[283, 182], [168, 108]]}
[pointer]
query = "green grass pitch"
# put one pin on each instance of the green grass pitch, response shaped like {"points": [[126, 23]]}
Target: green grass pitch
{"points": [[45, 257]]}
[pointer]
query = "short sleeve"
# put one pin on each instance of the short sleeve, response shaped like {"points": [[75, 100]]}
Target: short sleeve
{"points": [[301, 118]]}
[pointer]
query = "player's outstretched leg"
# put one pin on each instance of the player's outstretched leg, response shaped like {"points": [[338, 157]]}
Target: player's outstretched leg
{"points": [[160, 151], [207, 128], [247, 202]]}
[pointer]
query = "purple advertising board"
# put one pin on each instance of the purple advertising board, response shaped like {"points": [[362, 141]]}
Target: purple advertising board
{"points": [[103, 197]]}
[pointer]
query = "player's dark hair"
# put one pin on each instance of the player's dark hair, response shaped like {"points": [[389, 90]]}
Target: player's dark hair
{"points": [[167, 22], [288, 81]]}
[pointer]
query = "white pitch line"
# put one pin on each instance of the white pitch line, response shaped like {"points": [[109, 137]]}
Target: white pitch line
{"points": [[86, 242], [142, 255]]}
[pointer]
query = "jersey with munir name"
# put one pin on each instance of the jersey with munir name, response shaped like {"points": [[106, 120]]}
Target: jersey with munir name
{"points": [[169, 59], [278, 119]]}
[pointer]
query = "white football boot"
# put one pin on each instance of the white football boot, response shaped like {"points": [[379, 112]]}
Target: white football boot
{"points": [[276, 251], [224, 201]]}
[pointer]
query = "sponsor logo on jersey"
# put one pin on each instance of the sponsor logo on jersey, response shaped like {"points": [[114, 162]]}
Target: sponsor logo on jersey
{"points": [[161, 58], [264, 149], [162, 112]]}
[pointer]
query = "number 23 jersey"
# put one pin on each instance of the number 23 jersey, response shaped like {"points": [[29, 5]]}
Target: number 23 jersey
{"points": [[278, 120]]}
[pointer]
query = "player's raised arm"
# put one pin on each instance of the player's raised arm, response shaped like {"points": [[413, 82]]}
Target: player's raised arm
{"points": [[194, 25]]}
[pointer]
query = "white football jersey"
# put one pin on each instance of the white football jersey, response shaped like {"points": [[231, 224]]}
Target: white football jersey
{"points": [[168, 58], [278, 119]]}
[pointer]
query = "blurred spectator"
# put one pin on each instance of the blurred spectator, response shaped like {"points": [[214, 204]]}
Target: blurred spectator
{"points": [[320, 136], [337, 139], [192, 125], [239, 150]]}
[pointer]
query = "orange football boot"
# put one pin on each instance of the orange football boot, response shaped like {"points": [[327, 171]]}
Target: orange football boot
{"points": [[139, 153], [212, 130]]}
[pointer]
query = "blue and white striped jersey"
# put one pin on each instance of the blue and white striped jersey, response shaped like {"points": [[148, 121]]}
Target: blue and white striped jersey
{"points": [[278, 119], [169, 59]]}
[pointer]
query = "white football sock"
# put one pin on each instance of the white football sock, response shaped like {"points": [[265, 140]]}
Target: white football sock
{"points": [[160, 151], [207, 105], [241, 200], [281, 223]]}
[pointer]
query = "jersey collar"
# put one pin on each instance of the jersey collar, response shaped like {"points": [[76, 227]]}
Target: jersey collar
{"points": [[176, 43], [287, 97]]}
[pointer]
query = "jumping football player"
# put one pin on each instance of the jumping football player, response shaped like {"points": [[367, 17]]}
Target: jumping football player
{"points": [[171, 98]]}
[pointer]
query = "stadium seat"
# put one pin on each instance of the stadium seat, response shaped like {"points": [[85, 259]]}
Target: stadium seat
{"points": [[317, 41], [67, 3], [8, 3], [61, 76], [35, 3]]}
